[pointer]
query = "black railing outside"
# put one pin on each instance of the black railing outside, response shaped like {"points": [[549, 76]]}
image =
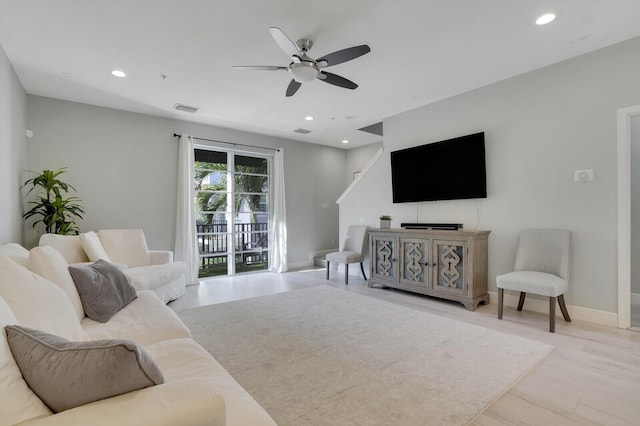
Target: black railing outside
{"points": [[251, 247]]}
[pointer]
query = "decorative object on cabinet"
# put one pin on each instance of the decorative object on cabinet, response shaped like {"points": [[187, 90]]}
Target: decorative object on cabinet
{"points": [[385, 221], [447, 264]]}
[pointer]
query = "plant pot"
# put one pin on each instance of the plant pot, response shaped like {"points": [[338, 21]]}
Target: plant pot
{"points": [[385, 224]]}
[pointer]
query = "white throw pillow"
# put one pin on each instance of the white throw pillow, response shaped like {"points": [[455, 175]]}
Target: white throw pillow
{"points": [[69, 246], [47, 262], [17, 402], [93, 247], [36, 302]]}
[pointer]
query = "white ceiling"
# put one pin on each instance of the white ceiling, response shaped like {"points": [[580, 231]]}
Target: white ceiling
{"points": [[421, 51]]}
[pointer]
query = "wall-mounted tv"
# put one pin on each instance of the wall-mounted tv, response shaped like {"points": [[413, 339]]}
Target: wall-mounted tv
{"points": [[447, 170]]}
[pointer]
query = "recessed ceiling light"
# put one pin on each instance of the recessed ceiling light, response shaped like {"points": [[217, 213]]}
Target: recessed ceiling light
{"points": [[545, 19], [308, 118], [345, 141], [118, 73]]}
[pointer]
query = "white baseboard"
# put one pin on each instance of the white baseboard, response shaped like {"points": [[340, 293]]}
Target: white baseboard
{"points": [[314, 254], [300, 265], [576, 312]]}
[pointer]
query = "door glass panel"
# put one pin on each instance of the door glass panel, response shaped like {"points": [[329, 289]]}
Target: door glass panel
{"points": [[232, 220]]}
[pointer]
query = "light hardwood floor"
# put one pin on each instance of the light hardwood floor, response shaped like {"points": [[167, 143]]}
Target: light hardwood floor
{"points": [[591, 377]]}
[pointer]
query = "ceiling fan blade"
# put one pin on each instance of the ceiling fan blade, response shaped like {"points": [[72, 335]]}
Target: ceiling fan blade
{"points": [[284, 42], [259, 67], [336, 80], [293, 88], [343, 55]]}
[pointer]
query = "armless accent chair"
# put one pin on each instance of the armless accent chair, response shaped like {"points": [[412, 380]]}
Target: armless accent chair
{"points": [[541, 267], [352, 251]]}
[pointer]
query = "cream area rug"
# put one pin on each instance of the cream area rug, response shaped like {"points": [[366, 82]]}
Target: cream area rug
{"points": [[326, 356]]}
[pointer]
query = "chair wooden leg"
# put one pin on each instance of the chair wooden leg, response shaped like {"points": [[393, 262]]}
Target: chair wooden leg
{"points": [[346, 273], [552, 314], [500, 301], [521, 301], [362, 269], [563, 308], [327, 269]]}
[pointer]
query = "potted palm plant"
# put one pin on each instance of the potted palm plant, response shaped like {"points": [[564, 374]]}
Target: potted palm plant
{"points": [[56, 211]]}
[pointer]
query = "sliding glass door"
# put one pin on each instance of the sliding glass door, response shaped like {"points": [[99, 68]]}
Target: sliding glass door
{"points": [[232, 207]]}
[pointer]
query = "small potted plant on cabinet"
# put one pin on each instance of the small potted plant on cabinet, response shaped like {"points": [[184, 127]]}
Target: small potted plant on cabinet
{"points": [[385, 221]]}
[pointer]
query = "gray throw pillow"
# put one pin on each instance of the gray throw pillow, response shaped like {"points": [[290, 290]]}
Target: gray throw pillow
{"points": [[103, 289], [67, 374]]}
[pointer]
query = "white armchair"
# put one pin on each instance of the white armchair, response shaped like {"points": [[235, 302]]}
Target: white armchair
{"points": [[145, 269]]}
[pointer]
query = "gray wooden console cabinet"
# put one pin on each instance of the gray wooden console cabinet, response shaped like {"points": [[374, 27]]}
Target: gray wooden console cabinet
{"points": [[447, 264]]}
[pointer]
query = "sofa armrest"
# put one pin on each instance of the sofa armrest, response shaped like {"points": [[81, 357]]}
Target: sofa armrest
{"points": [[159, 257], [183, 402]]}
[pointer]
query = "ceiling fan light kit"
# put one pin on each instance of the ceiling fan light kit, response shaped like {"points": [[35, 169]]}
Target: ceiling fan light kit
{"points": [[304, 72], [304, 69]]}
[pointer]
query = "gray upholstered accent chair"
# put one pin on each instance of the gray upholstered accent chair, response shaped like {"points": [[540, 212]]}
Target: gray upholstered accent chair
{"points": [[541, 267], [352, 251]]}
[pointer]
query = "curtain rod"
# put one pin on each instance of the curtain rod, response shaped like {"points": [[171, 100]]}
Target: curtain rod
{"points": [[175, 135]]}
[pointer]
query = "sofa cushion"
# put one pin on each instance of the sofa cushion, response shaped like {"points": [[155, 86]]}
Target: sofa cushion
{"points": [[15, 252], [37, 302], [93, 247], [17, 401], [47, 262], [126, 245], [182, 359], [152, 276], [68, 245], [146, 320], [103, 289], [85, 371]]}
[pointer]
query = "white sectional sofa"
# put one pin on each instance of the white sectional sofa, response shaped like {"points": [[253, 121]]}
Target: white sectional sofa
{"points": [[196, 389], [145, 269]]}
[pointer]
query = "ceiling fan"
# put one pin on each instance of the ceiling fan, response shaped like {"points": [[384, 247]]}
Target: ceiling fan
{"points": [[304, 69]]}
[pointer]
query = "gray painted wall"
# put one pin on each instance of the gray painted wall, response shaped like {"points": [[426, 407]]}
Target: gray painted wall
{"points": [[540, 127], [124, 166], [635, 204], [358, 158], [13, 113]]}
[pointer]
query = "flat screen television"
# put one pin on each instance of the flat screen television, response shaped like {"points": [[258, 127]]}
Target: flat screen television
{"points": [[452, 169]]}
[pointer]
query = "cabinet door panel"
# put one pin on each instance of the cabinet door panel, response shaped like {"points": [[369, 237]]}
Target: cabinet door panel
{"points": [[414, 262], [449, 271], [384, 251]]}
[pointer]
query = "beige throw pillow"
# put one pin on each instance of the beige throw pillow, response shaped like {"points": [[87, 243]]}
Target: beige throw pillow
{"points": [[47, 262], [17, 402], [93, 247], [37, 302]]}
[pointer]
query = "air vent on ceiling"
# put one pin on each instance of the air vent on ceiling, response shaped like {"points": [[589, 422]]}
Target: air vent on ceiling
{"points": [[302, 131], [185, 108]]}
